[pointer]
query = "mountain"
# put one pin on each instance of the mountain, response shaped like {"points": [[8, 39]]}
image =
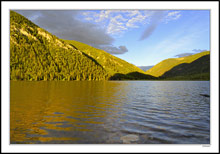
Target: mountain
{"points": [[145, 68], [109, 62], [198, 69], [117, 68], [166, 65], [36, 54]]}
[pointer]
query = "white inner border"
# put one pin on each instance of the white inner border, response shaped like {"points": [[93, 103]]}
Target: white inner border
{"points": [[214, 138]]}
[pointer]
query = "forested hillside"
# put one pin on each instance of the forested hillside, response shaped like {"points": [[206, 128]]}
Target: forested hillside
{"points": [[109, 62], [35, 54]]}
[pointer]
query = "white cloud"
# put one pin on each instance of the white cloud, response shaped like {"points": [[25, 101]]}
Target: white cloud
{"points": [[118, 21], [88, 18], [134, 22], [133, 13], [102, 16], [172, 16], [116, 25]]}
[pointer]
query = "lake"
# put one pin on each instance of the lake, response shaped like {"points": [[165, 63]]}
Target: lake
{"points": [[110, 112]]}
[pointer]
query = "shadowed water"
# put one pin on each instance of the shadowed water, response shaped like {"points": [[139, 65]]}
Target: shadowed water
{"points": [[144, 112]]}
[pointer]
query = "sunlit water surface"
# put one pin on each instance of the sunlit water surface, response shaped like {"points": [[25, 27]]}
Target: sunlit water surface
{"points": [[143, 112]]}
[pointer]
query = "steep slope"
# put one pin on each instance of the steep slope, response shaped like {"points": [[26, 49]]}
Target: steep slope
{"points": [[168, 64], [35, 54], [109, 62], [198, 69]]}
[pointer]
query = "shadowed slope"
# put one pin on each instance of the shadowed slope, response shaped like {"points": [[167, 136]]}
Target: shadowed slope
{"points": [[198, 69], [168, 64], [132, 76]]}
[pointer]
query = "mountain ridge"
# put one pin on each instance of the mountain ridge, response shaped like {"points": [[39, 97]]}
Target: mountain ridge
{"points": [[111, 63], [198, 69], [167, 64]]}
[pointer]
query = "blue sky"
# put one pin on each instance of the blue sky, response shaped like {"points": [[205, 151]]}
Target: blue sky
{"points": [[183, 35], [141, 37]]}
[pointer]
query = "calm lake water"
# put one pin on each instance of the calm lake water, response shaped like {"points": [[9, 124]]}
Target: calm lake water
{"points": [[143, 112]]}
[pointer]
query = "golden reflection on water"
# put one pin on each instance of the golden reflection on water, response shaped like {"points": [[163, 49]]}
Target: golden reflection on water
{"points": [[38, 108], [109, 112]]}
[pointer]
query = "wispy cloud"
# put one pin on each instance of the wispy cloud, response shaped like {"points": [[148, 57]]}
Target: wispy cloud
{"points": [[116, 25], [199, 50], [183, 55], [118, 21], [180, 40], [157, 18], [138, 18], [174, 15], [188, 54]]}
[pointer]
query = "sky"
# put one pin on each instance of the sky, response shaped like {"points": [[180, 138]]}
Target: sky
{"points": [[141, 37]]}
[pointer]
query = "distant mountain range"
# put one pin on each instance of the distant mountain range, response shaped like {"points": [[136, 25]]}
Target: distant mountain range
{"points": [[36, 54], [145, 68]]}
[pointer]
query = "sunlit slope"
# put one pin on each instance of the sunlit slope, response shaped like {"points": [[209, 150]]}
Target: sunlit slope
{"points": [[109, 62], [168, 64], [198, 69], [35, 54]]}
